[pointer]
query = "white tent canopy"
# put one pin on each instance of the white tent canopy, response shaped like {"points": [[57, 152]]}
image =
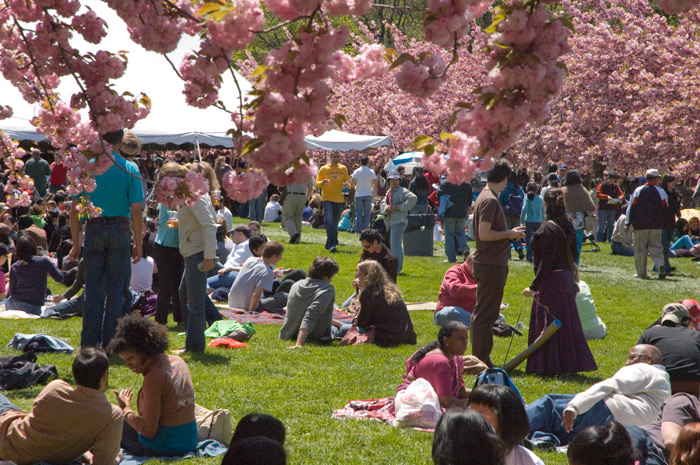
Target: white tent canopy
{"points": [[171, 120], [344, 141]]}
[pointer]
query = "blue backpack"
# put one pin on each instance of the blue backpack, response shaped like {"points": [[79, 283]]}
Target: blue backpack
{"points": [[514, 206], [498, 376]]}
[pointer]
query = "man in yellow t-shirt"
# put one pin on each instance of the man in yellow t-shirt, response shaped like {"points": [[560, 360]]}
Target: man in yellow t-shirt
{"points": [[330, 180]]}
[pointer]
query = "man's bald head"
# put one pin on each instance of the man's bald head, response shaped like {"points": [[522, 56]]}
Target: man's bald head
{"points": [[644, 353]]}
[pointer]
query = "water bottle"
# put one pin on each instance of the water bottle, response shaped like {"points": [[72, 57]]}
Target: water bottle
{"points": [[200, 266]]}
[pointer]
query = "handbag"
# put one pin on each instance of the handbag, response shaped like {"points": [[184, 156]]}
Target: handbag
{"points": [[354, 337], [213, 424], [572, 264]]}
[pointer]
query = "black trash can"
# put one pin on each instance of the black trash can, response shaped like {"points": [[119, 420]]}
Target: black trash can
{"points": [[418, 237]]}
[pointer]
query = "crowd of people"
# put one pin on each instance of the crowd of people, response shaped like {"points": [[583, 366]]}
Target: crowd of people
{"points": [[191, 257]]}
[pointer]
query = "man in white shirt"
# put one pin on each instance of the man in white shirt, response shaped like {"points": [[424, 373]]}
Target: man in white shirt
{"points": [[633, 396], [239, 254], [364, 181]]}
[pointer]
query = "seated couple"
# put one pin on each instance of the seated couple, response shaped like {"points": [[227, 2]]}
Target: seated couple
{"points": [[310, 306]]}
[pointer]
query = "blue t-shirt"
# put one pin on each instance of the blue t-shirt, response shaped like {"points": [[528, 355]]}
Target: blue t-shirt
{"points": [[168, 237], [117, 190]]}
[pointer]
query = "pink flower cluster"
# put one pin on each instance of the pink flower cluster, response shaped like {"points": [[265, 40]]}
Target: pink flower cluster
{"points": [[5, 112], [347, 7], [235, 30], [175, 192], [524, 75], [447, 21], [292, 9], [421, 77], [242, 187], [292, 102]]}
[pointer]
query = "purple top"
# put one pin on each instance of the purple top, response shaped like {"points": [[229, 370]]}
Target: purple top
{"points": [[28, 280]]}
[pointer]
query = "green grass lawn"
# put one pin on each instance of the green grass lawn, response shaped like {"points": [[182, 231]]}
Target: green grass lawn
{"points": [[303, 387]]}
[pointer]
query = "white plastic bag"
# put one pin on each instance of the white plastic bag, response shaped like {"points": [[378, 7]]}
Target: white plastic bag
{"points": [[417, 406]]}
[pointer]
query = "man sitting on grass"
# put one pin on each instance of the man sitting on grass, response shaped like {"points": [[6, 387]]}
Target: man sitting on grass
{"points": [[257, 277], [65, 422], [223, 282], [310, 304], [633, 396]]}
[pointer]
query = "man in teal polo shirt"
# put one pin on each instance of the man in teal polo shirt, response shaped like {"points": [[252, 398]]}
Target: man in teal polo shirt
{"points": [[107, 247]]}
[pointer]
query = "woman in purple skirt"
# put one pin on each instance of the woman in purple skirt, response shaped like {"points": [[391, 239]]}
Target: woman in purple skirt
{"points": [[554, 250]]}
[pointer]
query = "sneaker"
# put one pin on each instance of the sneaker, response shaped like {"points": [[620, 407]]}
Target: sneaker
{"points": [[521, 255], [295, 238], [662, 272], [333, 249]]}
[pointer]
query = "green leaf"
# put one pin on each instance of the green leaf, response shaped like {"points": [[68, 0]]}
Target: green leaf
{"points": [[209, 8], [403, 58], [259, 70], [563, 66], [447, 136], [339, 120], [429, 150], [421, 141], [251, 145], [500, 45], [566, 22]]}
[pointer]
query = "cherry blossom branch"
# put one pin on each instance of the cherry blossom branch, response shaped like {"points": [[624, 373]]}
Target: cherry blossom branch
{"points": [[394, 7], [37, 73]]}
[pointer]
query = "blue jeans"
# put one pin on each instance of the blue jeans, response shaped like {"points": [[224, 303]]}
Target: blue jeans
{"points": [[6, 405], [199, 307], [363, 209], [256, 208], [530, 228], [684, 242], [396, 243], [447, 314], [224, 280], [332, 211], [546, 412], [73, 306], [107, 265], [621, 249], [12, 304], [454, 228], [606, 221]]}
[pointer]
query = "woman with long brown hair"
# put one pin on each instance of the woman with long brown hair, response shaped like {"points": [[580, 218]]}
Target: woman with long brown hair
{"points": [[382, 306], [687, 448]]}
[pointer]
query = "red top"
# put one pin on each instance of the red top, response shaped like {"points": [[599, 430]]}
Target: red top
{"points": [[58, 174], [445, 376], [458, 289]]}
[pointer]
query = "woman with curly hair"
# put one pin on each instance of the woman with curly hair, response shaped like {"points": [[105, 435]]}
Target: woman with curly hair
{"points": [[382, 306], [165, 423]]}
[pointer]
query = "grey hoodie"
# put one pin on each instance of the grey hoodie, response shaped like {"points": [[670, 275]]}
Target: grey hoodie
{"points": [[310, 307]]}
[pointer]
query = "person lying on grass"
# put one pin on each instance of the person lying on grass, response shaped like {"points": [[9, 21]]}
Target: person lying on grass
{"points": [[165, 424], [441, 364]]}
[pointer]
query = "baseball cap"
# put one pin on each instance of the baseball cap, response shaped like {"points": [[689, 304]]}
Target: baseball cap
{"points": [[653, 173], [393, 174], [563, 167], [675, 313]]}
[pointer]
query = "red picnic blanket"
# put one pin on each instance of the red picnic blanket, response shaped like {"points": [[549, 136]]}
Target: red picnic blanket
{"points": [[374, 409], [271, 317]]}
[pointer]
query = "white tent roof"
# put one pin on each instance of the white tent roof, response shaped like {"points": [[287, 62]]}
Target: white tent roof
{"points": [[171, 120], [344, 141]]}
